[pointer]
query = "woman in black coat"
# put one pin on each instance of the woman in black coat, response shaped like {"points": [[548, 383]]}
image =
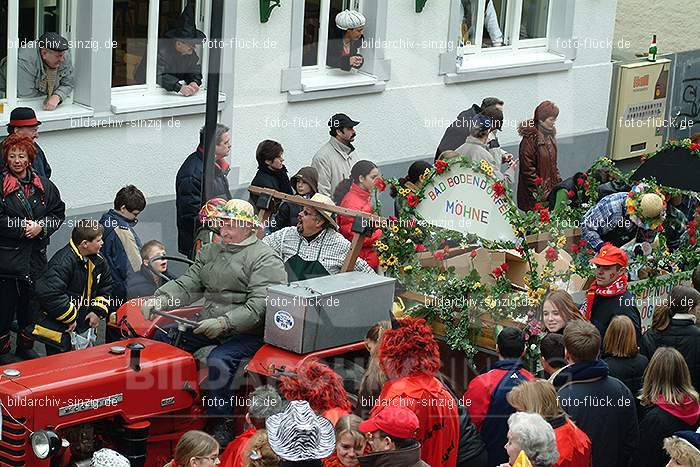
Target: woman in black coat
{"points": [[673, 325], [670, 405], [31, 210], [622, 355], [271, 170]]}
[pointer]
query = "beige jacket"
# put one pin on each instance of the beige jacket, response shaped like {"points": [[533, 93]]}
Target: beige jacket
{"points": [[333, 160]]}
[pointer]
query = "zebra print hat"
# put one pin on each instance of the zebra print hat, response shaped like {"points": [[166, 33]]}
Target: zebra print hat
{"points": [[298, 434]]}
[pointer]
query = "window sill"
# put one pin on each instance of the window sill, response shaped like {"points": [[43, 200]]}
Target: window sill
{"points": [[496, 64], [124, 102], [60, 118], [333, 83]]}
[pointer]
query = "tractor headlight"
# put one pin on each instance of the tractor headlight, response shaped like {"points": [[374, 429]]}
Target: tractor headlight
{"points": [[45, 443]]}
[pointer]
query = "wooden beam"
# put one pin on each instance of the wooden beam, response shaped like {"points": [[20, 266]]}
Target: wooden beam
{"points": [[355, 246]]}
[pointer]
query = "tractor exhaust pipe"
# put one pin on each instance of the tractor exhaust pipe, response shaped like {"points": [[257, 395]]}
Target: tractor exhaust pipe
{"points": [[135, 355]]}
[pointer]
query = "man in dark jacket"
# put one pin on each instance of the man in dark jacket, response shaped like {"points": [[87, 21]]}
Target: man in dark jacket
{"points": [[456, 134], [486, 394], [188, 186], [23, 122], [121, 244], [392, 437], [599, 404], [74, 292], [608, 295], [178, 67], [144, 282]]}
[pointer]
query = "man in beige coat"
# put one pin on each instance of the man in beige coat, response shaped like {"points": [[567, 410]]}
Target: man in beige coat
{"points": [[335, 158]]}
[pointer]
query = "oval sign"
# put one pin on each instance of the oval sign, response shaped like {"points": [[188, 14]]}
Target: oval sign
{"points": [[284, 320]]}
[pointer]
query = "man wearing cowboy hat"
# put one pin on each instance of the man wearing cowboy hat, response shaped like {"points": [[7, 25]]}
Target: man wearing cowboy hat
{"points": [[313, 248], [233, 277], [179, 69], [621, 218], [23, 122], [43, 69]]}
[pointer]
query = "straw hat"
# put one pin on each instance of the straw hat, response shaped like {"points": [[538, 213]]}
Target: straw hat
{"points": [[319, 198]]}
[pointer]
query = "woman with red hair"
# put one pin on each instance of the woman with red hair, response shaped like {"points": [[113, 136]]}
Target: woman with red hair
{"points": [[321, 387], [410, 359], [538, 155], [31, 210]]}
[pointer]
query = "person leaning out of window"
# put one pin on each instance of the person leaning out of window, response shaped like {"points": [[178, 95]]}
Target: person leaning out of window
{"points": [[346, 40], [43, 69]]}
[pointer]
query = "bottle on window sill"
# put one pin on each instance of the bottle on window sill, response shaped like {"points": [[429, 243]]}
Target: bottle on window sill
{"points": [[460, 54], [652, 50]]}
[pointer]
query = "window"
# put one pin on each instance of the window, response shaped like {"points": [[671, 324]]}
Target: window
{"points": [[138, 27], [25, 21], [515, 24], [309, 75]]}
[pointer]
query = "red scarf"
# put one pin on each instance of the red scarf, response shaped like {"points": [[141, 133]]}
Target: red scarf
{"points": [[614, 289], [10, 184]]}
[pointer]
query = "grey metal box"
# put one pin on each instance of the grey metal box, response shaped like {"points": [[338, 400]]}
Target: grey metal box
{"points": [[326, 312]]}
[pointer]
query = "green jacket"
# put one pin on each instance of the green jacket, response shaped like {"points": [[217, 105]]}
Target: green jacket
{"points": [[233, 279]]}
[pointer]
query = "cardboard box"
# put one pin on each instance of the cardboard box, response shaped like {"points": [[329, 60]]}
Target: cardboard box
{"points": [[484, 262], [539, 242]]}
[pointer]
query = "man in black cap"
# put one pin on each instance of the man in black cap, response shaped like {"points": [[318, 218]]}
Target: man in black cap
{"points": [[44, 68], [23, 122], [179, 69], [335, 159], [456, 134]]}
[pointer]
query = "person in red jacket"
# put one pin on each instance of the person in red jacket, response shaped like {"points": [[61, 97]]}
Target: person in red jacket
{"points": [[539, 396], [410, 359], [355, 193], [264, 402], [321, 387], [486, 395]]}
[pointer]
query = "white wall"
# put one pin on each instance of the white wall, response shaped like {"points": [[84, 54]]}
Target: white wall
{"points": [[91, 164], [673, 21]]}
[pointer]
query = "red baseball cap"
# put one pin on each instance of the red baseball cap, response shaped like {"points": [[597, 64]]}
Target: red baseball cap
{"points": [[610, 255], [399, 422]]}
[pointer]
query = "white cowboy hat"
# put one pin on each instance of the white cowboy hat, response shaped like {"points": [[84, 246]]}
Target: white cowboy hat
{"points": [[299, 434]]}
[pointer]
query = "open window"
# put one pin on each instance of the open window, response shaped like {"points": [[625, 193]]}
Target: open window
{"points": [[314, 33], [519, 36], [138, 30], [23, 22]]}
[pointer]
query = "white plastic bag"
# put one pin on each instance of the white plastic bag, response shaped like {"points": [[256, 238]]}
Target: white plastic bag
{"points": [[85, 340]]}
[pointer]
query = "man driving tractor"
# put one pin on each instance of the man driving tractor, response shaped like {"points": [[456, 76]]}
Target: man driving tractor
{"points": [[233, 277]]}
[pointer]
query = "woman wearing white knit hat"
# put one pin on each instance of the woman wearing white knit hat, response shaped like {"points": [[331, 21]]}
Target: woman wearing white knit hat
{"points": [[346, 40]]}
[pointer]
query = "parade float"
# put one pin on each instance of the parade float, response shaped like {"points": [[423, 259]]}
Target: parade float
{"points": [[471, 262]]}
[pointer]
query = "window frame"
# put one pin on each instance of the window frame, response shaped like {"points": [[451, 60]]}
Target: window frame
{"points": [[151, 86], [530, 56], [329, 82], [67, 12]]}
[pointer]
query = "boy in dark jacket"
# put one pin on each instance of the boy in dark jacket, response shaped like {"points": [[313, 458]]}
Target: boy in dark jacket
{"points": [[121, 243], [74, 292], [304, 183], [599, 404], [608, 295], [145, 282], [486, 396]]}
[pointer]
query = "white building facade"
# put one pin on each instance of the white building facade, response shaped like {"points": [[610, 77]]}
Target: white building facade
{"points": [[117, 131]]}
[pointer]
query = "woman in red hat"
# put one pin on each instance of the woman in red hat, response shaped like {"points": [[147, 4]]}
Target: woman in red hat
{"points": [[31, 210], [538, 155]]}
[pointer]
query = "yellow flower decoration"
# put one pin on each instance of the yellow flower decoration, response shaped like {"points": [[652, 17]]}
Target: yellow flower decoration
{"points": [[561, 241], [391, 261], [486, 167], [395, 228], [547, 270], [441, 277], [572, 268], [526, 280], [404, 192], [408, 268], [385, 247], [418, 231], [541, 291], [426, 172], [490, 302], [476, 285]]}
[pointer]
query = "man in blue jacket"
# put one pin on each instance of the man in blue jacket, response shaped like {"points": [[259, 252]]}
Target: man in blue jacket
{"points": [[188, 186], [122, 245], [599, 404]]}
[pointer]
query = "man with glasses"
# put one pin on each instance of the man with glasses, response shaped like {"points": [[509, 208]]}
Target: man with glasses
{"points": [[44, 68], [314, 248], [23, 122]]}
